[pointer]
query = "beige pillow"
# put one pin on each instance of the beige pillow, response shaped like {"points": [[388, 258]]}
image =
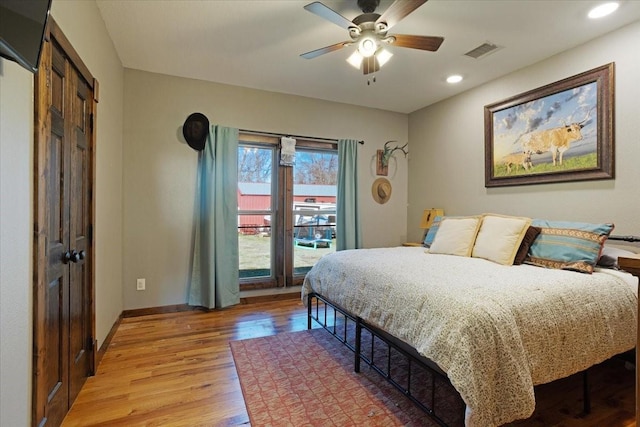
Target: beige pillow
{"points": [[456, 236], [499, 238]]}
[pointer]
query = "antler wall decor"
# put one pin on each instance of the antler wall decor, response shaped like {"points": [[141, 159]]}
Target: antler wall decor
{"points": [[384, 155]]}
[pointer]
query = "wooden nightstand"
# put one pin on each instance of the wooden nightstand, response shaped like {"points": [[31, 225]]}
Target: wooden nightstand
{"points": [[416, 244], [632, 265]]}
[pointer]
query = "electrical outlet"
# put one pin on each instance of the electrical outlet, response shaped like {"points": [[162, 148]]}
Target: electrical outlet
{"points": [[140, 285]]}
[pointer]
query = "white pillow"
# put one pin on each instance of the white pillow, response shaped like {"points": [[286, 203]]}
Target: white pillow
{"points": [[499, 238], [456, 236]]}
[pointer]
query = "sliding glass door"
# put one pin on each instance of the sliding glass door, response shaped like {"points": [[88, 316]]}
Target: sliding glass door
{"points": [[286, 215]]}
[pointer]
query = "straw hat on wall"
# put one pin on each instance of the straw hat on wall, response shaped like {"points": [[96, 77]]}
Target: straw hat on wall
{"points": [[381, 190]]}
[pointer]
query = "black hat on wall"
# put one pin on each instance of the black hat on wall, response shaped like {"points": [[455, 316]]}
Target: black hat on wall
{"points": [[195, 130]]}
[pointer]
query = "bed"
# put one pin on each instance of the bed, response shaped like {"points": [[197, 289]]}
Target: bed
{"points": [[496, 329]]}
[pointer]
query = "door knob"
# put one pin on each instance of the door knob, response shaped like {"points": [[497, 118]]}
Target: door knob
{"points": [[77, 256], [73, 256]]}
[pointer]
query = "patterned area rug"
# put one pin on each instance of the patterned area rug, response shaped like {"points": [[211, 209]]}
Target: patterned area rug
{"points": [[306, 378]]}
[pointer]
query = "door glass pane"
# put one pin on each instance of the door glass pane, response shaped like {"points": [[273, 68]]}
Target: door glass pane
{"points": [[255, 210], [315, 176]]}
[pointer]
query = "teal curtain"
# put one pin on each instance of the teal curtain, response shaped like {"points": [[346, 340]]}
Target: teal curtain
{"points": [[348, 231], [214, 276]]}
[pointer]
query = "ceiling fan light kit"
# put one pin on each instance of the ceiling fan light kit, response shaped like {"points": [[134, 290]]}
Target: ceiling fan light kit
{"points": [[367, 46], [355, 59], [369, 30], [383, 56]]}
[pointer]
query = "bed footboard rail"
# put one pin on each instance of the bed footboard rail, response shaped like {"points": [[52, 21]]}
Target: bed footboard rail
{"points": [[418, 378], [337, 321]]}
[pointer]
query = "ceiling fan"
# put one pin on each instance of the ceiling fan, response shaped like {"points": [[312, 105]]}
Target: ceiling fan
{"points": [[369, 32]]}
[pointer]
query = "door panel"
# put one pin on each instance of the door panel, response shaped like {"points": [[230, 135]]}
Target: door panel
{"points": [[314, 208], [257, 215], [56, 368], [80, 333]]}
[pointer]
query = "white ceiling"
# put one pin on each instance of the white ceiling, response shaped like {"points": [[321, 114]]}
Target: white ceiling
{"points": [[258, 43]]}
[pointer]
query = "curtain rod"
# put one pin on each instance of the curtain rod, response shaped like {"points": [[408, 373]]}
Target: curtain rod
{"points": [[310, 138]]}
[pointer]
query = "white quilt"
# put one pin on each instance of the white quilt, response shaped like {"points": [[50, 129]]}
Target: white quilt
{"points": [[496, 330]]}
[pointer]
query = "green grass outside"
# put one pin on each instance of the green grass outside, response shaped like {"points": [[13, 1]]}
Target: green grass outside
{"points": [[255, 259]]}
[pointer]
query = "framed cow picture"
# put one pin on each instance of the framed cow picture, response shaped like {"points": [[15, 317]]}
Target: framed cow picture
{"points": [[557, 133]]}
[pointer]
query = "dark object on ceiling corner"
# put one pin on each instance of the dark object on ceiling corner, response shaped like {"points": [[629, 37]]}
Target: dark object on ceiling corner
{"points": [[195, 130]]}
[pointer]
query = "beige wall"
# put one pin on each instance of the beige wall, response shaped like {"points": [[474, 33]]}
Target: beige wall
{"points": [[446, 166], [159, 168], [83, 26]]}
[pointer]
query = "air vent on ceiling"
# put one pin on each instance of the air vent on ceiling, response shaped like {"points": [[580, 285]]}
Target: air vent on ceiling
{"points": [[483, 50]]}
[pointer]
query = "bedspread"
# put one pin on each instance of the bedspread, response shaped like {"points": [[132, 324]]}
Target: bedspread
{"points": [[495, 330]]}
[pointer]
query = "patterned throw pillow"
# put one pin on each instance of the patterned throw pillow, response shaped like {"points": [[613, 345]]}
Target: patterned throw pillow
{"points": [[568, 245], [431, 234]]}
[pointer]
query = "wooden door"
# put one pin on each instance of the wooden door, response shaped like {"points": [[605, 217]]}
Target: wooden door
{"points": [[63, 297]]}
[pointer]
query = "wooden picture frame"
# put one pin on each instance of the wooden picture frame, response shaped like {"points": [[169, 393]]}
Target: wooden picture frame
{"points": [[557, 133], [381, 168]]}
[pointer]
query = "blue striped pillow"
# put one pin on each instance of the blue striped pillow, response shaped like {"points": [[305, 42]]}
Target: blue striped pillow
{"points": [[568, 245]]}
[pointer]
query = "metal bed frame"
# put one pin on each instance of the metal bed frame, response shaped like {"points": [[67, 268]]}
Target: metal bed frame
{"points": [[349, 329]]}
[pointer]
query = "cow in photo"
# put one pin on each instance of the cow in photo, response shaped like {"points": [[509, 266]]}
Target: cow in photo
{"points": [[517, 160], [556, 140]]}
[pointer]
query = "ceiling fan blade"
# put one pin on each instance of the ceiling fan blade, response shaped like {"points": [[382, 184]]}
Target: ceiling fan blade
{"points": [[398, 10], [329, 14], [370, 65], [417, 42], [323, 50]]}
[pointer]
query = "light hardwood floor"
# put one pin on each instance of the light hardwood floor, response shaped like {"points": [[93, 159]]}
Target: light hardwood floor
{"points": [[176, 369]]}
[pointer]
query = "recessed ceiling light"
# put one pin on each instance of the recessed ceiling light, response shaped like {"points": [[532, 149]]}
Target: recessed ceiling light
{"points": [[603, 10], [456, 78]]}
